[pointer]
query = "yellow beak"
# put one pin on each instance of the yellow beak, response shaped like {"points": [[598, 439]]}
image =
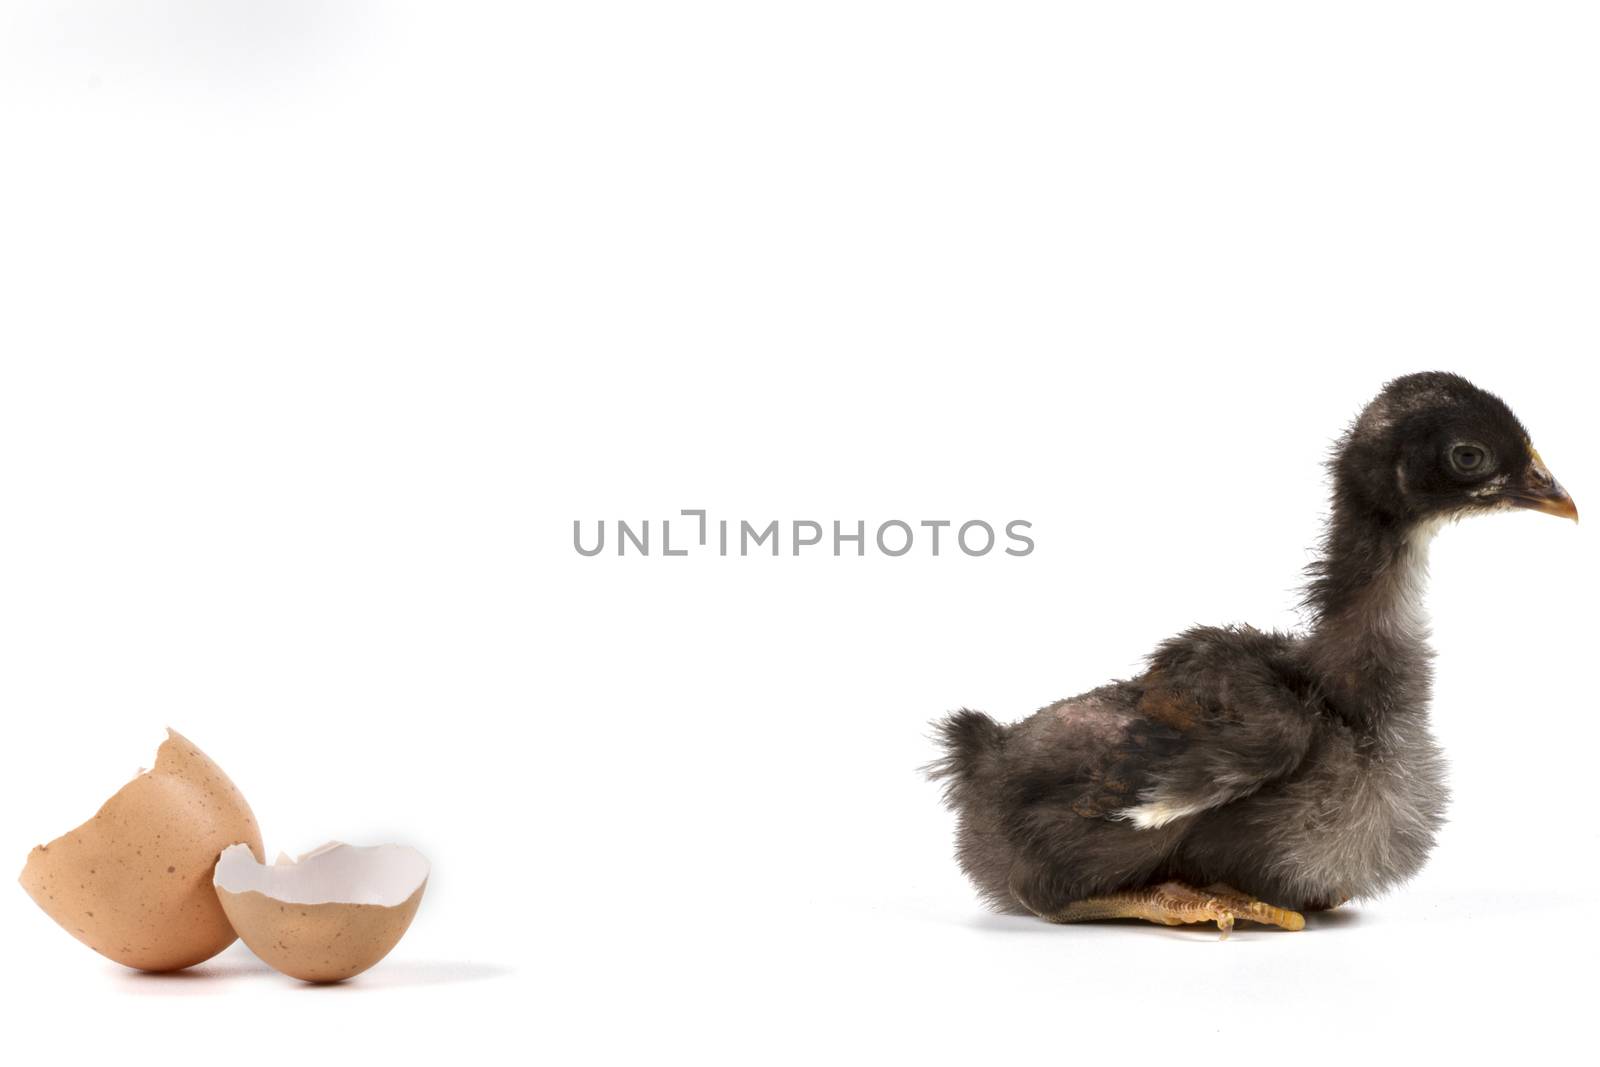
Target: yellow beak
{"points": [[1539, 491]]}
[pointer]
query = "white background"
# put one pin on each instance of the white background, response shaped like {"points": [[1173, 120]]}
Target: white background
{"points": [[322, 322]]}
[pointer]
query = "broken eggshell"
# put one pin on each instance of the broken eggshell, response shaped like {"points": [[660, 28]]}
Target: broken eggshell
{"points": [[134, 882], [328, 916]]}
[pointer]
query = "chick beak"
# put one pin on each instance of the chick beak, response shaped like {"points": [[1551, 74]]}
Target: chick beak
{"points": [[1539, 491]]}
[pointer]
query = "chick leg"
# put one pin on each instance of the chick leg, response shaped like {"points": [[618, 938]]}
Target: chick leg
{"points": [[1175, 903]]}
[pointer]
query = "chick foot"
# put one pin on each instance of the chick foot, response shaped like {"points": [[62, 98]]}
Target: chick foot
{"points": [[1175, 903]]}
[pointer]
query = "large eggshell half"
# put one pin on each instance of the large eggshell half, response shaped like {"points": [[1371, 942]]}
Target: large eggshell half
{"points": [[328, 916], [134, 882]]}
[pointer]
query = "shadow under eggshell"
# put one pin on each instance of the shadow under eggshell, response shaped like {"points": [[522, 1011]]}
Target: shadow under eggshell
{"points": [[134, 882]]}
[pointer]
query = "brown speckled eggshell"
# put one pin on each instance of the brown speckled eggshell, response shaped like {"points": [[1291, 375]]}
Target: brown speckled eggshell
{"points": [[318, 942], [134, 882]]}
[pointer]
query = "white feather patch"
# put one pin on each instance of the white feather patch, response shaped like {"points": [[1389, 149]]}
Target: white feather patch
{"points": [[1157, 813]]}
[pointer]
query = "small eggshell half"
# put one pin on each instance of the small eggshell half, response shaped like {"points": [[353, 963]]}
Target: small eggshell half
{"points": [[134, 882], [328, 916]]}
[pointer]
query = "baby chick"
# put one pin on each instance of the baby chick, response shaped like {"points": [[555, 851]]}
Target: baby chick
{"points": [[1244, 767]]}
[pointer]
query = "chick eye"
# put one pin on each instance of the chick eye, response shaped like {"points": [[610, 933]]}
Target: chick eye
{"points": [[1469, 459]]}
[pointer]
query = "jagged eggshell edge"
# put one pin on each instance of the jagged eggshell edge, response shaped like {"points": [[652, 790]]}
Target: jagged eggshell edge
{"points": [[322, 942]]}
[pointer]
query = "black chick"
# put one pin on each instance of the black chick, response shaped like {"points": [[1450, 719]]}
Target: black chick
{"points": [[1244, 766]]}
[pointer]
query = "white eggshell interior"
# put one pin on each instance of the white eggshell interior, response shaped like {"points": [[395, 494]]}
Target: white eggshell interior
{"points": [[336, 873]]}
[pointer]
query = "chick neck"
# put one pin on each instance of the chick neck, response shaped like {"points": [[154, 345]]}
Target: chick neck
{"points": [[1368, 644]]}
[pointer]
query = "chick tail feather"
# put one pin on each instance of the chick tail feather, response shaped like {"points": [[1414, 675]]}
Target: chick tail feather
{"points": [[972, 743]]}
